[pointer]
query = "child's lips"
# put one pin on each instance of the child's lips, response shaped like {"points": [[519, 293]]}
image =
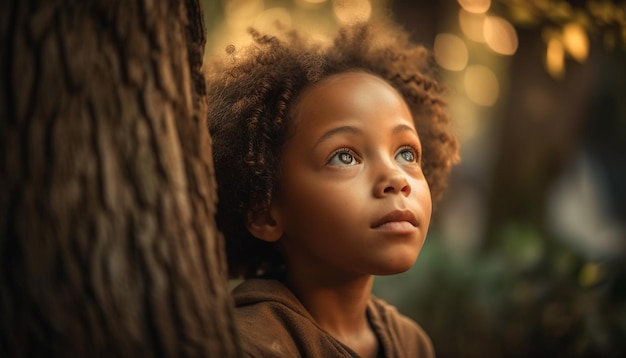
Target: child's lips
{"points": [[397, 220], [397, 226]]}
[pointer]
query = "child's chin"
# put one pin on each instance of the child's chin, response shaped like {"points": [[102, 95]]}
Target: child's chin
{"points": [[395, 269]]}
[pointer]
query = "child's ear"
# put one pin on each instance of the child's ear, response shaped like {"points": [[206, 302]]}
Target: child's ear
{"points": [[266, 225]]}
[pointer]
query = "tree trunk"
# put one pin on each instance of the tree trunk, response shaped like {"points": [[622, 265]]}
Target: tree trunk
{"points": [[108, 244]]}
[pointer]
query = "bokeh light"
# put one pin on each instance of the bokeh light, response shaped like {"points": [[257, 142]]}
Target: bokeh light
{"points": [[475, 6], [450, 52], [351, 10], [470, 116], [500, 35], [481, 85], [241, 11], [591, 274], [575, 41], [472, 25], [555, 58]]}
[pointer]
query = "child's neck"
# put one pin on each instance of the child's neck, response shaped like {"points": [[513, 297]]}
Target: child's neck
{"points": [[339, 307]]}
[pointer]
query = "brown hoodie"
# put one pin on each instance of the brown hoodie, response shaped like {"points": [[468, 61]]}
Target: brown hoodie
{"points": [[273, 323]]}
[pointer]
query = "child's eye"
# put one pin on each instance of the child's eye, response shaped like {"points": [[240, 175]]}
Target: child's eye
{"points": [[343, 157], [407, 154]]}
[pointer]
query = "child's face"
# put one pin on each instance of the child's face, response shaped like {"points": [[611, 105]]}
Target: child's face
{"points": [[353, 198]]}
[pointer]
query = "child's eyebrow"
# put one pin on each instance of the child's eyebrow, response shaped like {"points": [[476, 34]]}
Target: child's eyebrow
{"points": [[402, 128], [335, 131], [354, 130]]}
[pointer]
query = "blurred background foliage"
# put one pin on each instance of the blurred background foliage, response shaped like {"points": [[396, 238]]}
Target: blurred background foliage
{"points": [[526, 254]]}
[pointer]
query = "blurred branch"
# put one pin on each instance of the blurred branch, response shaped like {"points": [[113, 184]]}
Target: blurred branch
{"points": [[601, 20]]}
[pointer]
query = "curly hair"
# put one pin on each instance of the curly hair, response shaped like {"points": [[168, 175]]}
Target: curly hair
{"points": [[252, 91]]}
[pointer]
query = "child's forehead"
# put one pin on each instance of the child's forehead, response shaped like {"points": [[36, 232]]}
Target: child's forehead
{"points": [[352, 94], [349, 79], [338, 84], [348, 76]]}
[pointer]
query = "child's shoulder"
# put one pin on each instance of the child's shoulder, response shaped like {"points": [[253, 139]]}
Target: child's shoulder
{"points": [[271, 322]]}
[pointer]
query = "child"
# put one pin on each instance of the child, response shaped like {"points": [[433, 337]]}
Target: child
{"points": [[326, 159]]}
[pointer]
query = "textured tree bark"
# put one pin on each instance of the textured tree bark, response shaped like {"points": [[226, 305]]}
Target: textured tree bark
{"points": [[108, 244]]}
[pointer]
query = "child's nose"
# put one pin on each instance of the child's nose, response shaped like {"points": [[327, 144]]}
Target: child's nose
{"points": [[392, 180]]}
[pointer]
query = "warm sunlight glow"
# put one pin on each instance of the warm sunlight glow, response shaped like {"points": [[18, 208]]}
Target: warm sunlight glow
{"points": [[268, 20], [500, 35], [472, 25], [554, 58], [475, 6], [450, 52], [481, 85], [241, 11], [462, 107], [575, 41], [351, 10]]}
